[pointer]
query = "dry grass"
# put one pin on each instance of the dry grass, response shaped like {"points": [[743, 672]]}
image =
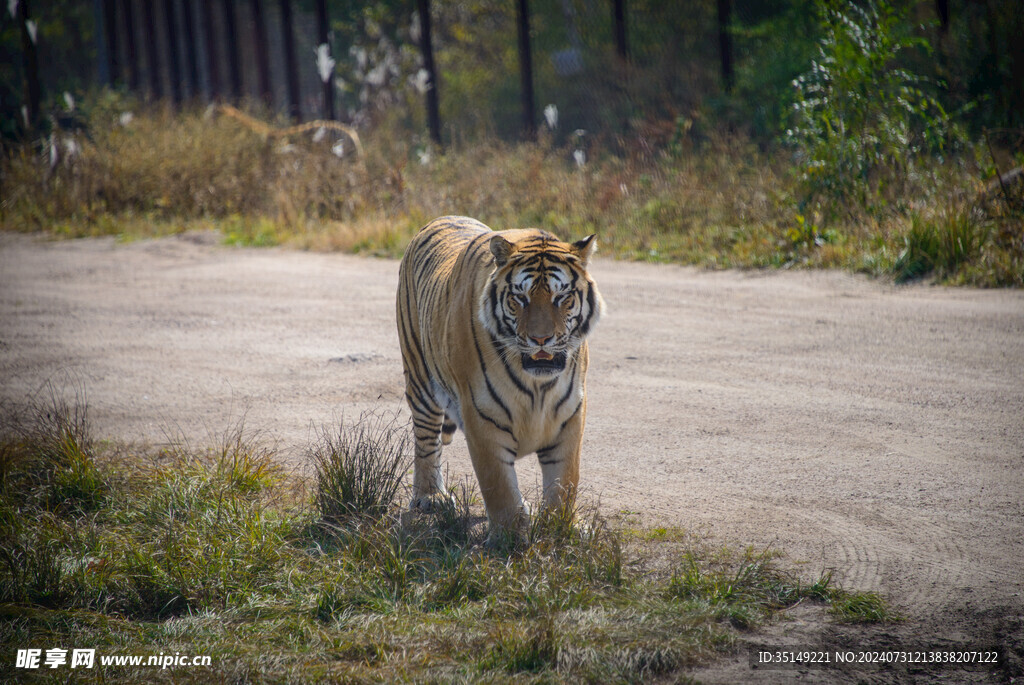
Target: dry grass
{"points": [[662, 194]]}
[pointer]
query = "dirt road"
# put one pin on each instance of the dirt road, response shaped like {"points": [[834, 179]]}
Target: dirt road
{"points": [[855, 425]]}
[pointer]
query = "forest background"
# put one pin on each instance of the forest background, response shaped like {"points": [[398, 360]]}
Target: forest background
{"points": [[883, 136]]}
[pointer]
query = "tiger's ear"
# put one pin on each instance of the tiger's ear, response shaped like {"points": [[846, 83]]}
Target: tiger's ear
{"points": [[502, 250], [584, 249]]}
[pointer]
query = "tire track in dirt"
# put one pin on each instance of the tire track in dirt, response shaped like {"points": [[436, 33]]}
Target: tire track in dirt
{"points": [[867, 556]]}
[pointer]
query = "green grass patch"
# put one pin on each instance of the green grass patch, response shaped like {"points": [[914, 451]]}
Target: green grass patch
{"points": [[217, 552], [860, 607]]}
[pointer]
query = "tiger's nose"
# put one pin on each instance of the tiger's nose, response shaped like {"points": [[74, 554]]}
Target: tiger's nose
{"points": [[541, 339]]}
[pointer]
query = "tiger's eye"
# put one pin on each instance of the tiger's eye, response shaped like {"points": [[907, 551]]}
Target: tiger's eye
{"points": [[517, 300]]}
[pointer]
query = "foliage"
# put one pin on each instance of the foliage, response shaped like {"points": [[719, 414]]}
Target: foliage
{"points": [[379, 58], [654, 158], [862, 118], [673, 68], [981, 59], [66, 54], [145, 173], [775, 41]]}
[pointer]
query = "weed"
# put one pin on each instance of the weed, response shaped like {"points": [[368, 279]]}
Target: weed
{"points": [[523, 649], [359, 470], [861, 607], [51, 456], [33, 564], [748, 591], [944, 244]]}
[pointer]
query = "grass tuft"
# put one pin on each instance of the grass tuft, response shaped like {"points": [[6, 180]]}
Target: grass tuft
{"points": [[942, 244], [861, 607], [50, 456], [521, 648], [359, 469]]}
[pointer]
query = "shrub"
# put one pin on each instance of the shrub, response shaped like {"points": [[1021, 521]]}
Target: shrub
{"points": [[862, 117]]}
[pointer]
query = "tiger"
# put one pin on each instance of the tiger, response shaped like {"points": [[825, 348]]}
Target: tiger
{"points": [[493, 329]]}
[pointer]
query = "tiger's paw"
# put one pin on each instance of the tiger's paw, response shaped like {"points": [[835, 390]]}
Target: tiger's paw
{"points": [[432, 503], [513, 533]]}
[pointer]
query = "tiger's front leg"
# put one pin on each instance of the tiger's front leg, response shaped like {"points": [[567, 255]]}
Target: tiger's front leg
{"points": [[494, 464], [560, 463]]}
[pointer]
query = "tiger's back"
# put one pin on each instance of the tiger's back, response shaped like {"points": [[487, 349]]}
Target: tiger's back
{"points": [[492, 327]]}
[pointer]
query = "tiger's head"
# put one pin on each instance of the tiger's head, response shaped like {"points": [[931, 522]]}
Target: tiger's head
{"points": [[539, 301]]}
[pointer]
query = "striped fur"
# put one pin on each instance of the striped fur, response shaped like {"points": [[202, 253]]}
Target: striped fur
{"points": [[493, 329]]}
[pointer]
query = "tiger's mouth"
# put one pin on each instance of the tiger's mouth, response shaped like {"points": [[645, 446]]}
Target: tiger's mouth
{"points": [[543, 363]]}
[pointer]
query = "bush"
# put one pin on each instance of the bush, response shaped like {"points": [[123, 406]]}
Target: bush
{"points": [[862, 117]]}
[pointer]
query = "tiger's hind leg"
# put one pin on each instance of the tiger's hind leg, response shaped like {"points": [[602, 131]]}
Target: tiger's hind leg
{"points": [[447, 430], [427, 481]]}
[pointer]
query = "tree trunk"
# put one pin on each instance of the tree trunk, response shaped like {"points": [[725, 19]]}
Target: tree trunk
{"points": [[323, 38], [621, 46], [942, 9], [725, 43], [129, 45], [30, 62], [173, 54], [110, 42], [426, 46], [189, 34], [210, 43], [290, 67], [231, 42], [156, 86], [526, 68], [259, 39]]}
